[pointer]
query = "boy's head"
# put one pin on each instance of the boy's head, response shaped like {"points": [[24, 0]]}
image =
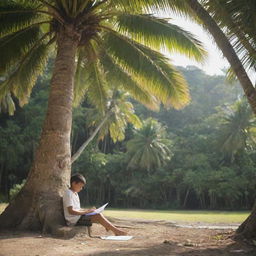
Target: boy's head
{"points": [[77, 182]]}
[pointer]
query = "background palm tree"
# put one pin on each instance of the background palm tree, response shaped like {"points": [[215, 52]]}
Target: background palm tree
{"points": [[225, 46], [149, 149], [237, 20], [237, 131], [120, 112], [96, 44]]}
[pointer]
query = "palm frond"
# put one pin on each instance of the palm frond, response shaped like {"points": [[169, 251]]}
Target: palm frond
{"points": [[81, 75], [153, 6], [158, 33], [15, 16], [22, 80], [237, 18], [15, 46], [90, 78], [235, 129], [150, 68], [120, 112], [119, 78], [149, 149], [97, 91], [117, 130], [133, 119], [230, 75], [7, 104]]}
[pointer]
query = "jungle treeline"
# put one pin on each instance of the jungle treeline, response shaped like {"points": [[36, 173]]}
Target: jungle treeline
{"points": [[200, 157]]}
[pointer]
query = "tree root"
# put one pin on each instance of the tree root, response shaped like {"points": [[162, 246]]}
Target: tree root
{"points": [[68, 232]]}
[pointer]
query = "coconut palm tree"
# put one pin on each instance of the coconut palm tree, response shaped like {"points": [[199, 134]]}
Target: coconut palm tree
{"points": [[238, 134], [149, 149], [94, 43], [240, 26], [119, 114], [226, 47], [237, 131]]}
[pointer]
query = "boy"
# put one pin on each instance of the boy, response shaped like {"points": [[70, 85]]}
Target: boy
{"points": [[73, 213]]}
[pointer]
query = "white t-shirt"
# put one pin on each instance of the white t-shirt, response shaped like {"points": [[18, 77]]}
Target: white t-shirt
{"points": [[71, 198]]}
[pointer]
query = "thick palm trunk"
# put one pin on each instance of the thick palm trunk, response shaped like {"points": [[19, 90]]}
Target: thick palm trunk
{"points": [[248, 228], [227, 50], [38, 205]]}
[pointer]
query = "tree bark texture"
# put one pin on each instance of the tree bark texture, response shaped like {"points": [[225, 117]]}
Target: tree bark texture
{"points": [[38, 205], [227, 50], [248, 228]]}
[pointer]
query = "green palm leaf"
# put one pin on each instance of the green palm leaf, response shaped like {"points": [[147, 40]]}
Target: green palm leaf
{"points": [[150, 68], [118, 77], [235, 130], [97, 92], [81, 75], [149, 149], [158, 33], [90, 78], [122, 113], [150, 6], [237, 18], [7, 105], [15, 46], [15, 17], [24, 77]]}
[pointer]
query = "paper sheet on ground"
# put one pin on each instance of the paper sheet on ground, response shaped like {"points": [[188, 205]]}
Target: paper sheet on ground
{"points": [[99, 210], [117, 238]]}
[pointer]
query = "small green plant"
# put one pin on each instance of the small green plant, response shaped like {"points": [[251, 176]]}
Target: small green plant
{"points": [[218, 237], [16, 189]]}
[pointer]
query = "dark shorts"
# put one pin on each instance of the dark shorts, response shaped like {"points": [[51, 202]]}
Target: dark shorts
{"points": [[84, 221]]}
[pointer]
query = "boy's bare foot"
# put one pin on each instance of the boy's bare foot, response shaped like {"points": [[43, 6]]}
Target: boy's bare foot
{"points": [[120, 233]]}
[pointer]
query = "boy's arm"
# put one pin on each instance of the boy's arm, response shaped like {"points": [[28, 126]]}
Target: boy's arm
{"points": [[80, 212]]}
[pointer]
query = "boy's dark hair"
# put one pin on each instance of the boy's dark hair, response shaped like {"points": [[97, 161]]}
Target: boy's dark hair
{"points": [[77, 178]]}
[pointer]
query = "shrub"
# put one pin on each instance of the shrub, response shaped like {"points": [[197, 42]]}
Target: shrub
{"points": [[16, 189]]}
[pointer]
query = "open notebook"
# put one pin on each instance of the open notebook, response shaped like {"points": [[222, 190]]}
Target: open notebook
{"points": [[98, 210]]}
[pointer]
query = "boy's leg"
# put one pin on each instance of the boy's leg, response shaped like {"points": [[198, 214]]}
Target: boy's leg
{"points": [[85, 221], [99, 218]]}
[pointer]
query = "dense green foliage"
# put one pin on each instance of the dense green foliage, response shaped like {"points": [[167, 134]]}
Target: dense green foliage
{"points": [[198, 171]]}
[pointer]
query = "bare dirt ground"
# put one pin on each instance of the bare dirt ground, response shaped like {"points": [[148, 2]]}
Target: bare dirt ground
{"points": [[151, 238]]}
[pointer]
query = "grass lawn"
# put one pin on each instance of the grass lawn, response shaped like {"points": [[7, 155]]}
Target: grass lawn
{"points": [[179, 216]]}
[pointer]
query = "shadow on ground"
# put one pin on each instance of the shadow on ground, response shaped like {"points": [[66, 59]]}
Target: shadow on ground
{"points": [[172, 249]]}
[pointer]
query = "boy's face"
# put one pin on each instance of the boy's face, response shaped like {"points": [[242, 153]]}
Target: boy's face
{"points": [[77, 186]]}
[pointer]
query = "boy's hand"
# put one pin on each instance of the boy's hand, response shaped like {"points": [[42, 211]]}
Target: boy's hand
{"points": [[88, 211]]}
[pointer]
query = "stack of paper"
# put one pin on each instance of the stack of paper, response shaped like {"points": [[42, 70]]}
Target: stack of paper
{"points": [[117, 238]]}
